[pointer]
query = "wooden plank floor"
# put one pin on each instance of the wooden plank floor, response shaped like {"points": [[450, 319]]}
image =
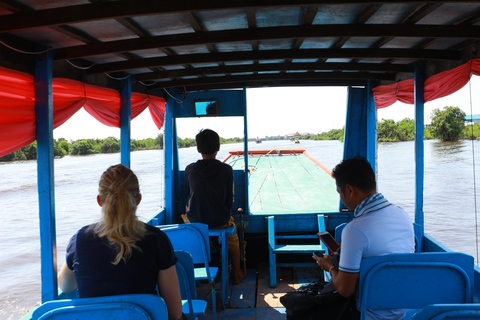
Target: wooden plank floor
{"points": [[253, 299]]}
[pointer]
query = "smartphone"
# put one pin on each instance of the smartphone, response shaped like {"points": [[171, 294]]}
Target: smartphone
{"points": [[329, 241], [318, 254]]}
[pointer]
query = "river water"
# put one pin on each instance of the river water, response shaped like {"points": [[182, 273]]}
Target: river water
{"points": [[449, 202]]}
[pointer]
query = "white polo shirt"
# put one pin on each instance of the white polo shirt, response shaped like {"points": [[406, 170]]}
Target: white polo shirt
{"points": [[378, 233]]}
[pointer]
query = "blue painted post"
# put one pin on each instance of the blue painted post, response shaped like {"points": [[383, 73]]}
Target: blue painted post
{"points": [[355, 142], [419, 147], [245, 134], [271, 253], [358, 141], [45, 175], [371, 115], [168, 147], [125, 116]]}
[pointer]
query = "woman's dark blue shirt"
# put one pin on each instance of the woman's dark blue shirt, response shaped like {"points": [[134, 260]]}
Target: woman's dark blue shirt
{"points": [[90, 258]]}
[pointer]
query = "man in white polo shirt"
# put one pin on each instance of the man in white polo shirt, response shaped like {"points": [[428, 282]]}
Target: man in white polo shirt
{"points": [[378, 228]]}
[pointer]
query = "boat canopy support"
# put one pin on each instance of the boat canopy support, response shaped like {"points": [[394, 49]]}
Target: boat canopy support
{"points": [[45, 175], [125, 117], [228, 103], [170, 149], [360, 129], [419, 79]]}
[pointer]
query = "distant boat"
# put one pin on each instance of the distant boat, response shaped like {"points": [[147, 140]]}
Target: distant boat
{"points": [[258, 140]]}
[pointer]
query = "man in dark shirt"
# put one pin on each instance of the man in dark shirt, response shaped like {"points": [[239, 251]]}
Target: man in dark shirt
{"points": [[210, 183]]}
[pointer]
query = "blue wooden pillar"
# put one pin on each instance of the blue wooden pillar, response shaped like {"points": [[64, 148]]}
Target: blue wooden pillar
{"points": [[125, 116], [371, 115], [359, 139], [45, 175], [169, 147], [360, 126], [419, 78], [245, 142]]}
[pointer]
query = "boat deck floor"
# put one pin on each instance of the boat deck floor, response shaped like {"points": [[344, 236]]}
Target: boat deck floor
{"points": [[288, 184], [253, 298]]}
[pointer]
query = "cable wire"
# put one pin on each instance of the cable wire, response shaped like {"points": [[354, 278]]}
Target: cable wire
{"points": [[474, 179], [21, 51], [117, 78], [78, 67]]}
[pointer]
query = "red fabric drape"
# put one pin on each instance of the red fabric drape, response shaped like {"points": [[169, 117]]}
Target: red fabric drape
{"points": [[17, 106], [437, 86]]}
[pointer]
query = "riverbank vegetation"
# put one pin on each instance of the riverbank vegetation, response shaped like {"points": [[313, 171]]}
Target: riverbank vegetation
{"points": [[63, 147], [447, 124]]}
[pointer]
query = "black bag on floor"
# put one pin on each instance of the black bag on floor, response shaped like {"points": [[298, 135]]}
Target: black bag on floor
{"points": [[319, 300]]}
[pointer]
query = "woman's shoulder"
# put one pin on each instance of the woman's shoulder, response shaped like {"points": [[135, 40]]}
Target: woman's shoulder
{"points": [[154, 231]]}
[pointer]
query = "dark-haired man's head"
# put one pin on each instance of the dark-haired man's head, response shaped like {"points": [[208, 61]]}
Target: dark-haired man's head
{"points": [[355, 181], [356, 172], [208, 142]]}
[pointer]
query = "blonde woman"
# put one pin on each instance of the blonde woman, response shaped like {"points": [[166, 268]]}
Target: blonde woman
{"points": [[120, 254]]}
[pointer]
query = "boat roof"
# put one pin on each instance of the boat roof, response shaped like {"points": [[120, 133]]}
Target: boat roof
{"points": [[189, 45]]}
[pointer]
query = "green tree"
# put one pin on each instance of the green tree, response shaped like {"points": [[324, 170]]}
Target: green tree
{"points": [[110, 145], [57, 150], [448, 124], [387, 130], [159, 140], [82, 147], [30, 151], [65, 145], [472, 131], [406, 129]]}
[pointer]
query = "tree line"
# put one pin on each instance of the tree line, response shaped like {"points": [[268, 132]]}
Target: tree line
{"points": [[63, 147], [447, 124]]}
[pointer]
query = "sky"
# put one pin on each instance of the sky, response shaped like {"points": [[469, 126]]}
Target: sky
{"points": [[271, 112]]}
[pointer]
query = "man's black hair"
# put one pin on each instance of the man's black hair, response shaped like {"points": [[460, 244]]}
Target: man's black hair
{"points": [[208, 141], [357, 172]]}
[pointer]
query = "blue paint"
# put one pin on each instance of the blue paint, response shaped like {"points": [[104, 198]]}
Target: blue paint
{"points": [[371, 129], [125, 116], [419, 145], [231, 103], [45, 175], [168, 147], [245, 146]]}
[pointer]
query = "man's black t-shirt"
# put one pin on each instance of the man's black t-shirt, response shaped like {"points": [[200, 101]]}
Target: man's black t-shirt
{"points": [[210, 183]]}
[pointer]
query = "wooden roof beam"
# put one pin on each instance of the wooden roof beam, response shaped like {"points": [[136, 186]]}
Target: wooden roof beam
{"points": [[292, 32], [275, 55], [270, 67], [210, 81]]}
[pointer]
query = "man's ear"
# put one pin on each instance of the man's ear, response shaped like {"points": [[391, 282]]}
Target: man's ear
{"points": [[139, 199], [99, 201], [218, 149], [349, 191]]}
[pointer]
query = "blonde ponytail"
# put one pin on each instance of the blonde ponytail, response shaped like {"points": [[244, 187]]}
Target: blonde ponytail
{"points": [[119, 192]]}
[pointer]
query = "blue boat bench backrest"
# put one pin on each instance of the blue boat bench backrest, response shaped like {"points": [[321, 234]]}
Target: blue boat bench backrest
{"points": [[121, 307], [415, 280]]}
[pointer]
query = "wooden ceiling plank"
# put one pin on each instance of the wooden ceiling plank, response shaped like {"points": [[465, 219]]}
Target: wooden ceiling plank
{"points": [[283, 76], [270, 83], [102, 10], [275, 55], [168, 74], [292, 32]]}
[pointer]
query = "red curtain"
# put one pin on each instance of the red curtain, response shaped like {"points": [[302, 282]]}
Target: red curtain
{"points": [[437, 86], [17, 106]]}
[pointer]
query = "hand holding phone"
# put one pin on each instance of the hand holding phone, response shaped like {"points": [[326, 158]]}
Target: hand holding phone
{"points": [[318, 254]]}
